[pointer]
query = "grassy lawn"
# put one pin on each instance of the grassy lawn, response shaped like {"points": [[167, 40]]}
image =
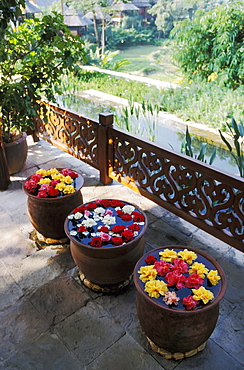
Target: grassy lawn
{"points": [[150, 61]]}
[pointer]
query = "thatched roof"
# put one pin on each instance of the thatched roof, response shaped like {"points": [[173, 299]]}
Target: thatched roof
{"points": [[76, 21], [142, 3]]}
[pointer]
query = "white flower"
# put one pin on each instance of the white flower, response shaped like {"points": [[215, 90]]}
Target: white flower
{"points": [[96, 218], [89, 222], [78, 215], [109, 220], [73, 232], [140, 223], [117, 209], [70, 217], [85, 233], [128, 209], [95, 234], [136, 233], [99, 210]]}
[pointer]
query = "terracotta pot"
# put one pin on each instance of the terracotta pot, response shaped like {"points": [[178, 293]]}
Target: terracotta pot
{"points": [[172, 329], [16, 154], [47, 215], [107, 265]]}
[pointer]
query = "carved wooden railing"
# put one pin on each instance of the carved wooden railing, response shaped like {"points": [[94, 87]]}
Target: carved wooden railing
{"points": [[199, 193]]}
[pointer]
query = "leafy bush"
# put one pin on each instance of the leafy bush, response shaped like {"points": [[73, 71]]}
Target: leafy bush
{"points": [[211, 46], [130, 37]]}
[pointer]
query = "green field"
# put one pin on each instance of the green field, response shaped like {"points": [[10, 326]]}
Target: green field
{"points": [[150, 61]]}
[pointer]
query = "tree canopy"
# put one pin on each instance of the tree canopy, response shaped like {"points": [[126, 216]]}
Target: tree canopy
{"points": [[211, 46]]}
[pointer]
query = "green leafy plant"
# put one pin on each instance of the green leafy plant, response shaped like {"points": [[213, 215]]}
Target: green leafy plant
{"points": [[33, 56], [236, 132], [186, 148]]}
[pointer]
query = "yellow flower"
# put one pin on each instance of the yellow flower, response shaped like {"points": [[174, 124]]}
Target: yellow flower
{"points": [[68, 180], [58, 176], [187, 256], [168, 255], [68, 189], [41, 172], [52, 171], [199, 269], [202, 294], [147, 273], [44, 181], [60, 186], [155, 288], [213, 277]]}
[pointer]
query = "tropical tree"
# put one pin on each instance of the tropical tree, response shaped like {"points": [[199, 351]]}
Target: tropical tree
{"points": [[210, 47]]}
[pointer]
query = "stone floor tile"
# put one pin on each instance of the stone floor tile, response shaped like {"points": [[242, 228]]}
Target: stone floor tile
{"points": [[124, 354], [10, 292], [229, 335], [211, 358], [36, 270], [19, 325], [46, 352], [59, 298], [63, 257], [89, 332]]}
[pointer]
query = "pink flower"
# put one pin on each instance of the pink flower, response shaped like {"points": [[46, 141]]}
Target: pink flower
{"points": [[180, 266], [30, 184], [162, 267], [108, 212], [67, 172], [194, 281], [189, 302], [175, 279], [105, 237], [87, 213]]}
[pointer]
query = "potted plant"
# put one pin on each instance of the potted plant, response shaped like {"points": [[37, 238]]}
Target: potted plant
{"points": [[178, 295], [33, 56], [106, 239], [52, 194]]}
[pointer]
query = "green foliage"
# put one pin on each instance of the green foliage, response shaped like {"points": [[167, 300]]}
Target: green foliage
{"points": [[187, 148], [10, 10], [32, 58], [236, 132], [129, 37], [211, 46]]}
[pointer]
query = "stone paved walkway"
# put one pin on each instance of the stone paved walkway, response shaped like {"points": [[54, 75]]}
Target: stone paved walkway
{"points": [[50, 321]]}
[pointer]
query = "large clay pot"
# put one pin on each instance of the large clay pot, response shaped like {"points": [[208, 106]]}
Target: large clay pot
{"points": [[16, 153], [47, 215], [108, 265], [172, 329]]}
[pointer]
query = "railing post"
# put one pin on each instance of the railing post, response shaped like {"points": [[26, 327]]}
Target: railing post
{"points": [[105, 120], [4, 174]]}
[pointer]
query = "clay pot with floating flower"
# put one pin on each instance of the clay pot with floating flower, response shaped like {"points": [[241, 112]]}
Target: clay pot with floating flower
{"points": [[106, 239], [52, 194], [178, 294]]}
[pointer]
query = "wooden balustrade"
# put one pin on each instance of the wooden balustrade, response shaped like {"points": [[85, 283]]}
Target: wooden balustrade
{"points": [[202, 195]]}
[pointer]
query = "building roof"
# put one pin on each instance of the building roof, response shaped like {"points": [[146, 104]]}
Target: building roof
{"points": [[142, 3], [76, 21]]}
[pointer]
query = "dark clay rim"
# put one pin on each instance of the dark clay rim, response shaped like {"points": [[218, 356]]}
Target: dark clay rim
{"points": [[81, 180], [107, 248], [184, 312]]}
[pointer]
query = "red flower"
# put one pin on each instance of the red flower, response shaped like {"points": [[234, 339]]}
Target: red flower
{"points": [[175, 279], [180, 266], [134, 227], [119, 213], [30, 184], [126, 217], [52, 192], [189, 302], [150, 260], [138, 217], [36, 177], [116, 203], [67, 172], [91, 206], [96, 242], [118, 229], [116, 240], [54, 183], [42, 194], [104, 203], [162, 267], [104, 229], [194, 281], [81, 229], [127, 235]]}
